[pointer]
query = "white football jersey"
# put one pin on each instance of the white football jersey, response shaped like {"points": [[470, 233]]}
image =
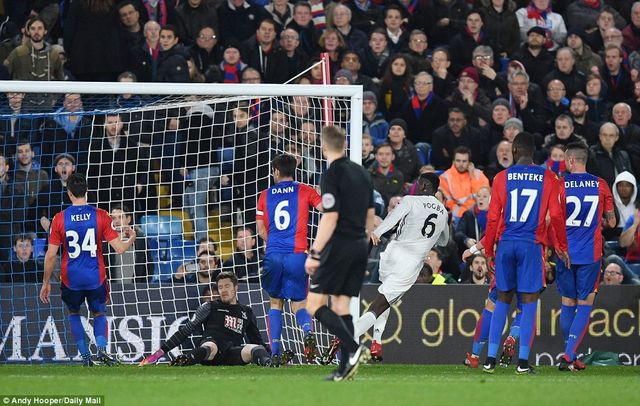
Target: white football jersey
{"points": [[422, 221]]}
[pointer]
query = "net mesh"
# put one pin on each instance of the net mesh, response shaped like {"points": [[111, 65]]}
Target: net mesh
{"points": [[180, 169]]}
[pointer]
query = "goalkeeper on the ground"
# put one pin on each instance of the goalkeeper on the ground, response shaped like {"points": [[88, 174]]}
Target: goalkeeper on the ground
{"points": [[226, 324]]}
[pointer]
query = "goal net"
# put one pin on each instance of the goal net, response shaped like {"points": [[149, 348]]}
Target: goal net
{"points": [[184, 165]]}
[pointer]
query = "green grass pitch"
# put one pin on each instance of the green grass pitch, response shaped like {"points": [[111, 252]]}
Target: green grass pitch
{"points": [[389, 385]]}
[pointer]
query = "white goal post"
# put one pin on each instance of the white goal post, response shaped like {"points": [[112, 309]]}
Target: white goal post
{"points": [[142, 315]]}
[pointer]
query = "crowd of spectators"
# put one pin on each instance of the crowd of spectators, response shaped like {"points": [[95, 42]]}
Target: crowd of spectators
{"points": [[447, 85]]}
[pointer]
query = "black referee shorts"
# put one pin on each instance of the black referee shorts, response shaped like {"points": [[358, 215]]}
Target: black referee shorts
{"points": [[342, 267]]}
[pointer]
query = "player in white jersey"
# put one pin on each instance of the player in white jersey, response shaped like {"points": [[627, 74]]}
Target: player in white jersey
{"points": [[422, 223]]}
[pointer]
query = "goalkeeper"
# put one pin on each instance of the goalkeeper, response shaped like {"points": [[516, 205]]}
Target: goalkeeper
{"points": [[226, 324]]}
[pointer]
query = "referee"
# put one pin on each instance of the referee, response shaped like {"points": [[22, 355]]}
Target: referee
{"points": [[338, 258]]}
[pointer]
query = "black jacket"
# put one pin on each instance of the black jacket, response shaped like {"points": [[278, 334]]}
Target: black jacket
{"points": [[589, 130], [273, 66], [535, 115], [444, 143], [57, 141], [388, 185], [372, 65], [607, 167], [141, 62], [461, 50], [502, 29], [94, 42], [481, 108], [363, 20], [468, 227], [191, 20], [574, 81], [240, 24], [203, 59], [172, 65], [620, 85], [114, 174], [239, 265], [308, 36], [537, 66], [421, 130], [21, 272], [407, 160]]}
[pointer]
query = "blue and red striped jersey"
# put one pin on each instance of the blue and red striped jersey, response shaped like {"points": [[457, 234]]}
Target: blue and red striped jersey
{"points": [[587, 198], [284, 209], [80, 231], [521, 196]]}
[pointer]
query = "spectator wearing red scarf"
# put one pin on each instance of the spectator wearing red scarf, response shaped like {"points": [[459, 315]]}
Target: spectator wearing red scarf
{"points": [[631, 33], [584, 14], [424, 111], [231, 65], [539, 13]]}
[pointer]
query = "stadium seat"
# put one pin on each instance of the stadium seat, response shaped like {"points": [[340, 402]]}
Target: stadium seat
{"points": [[168, 258], [613, 247], [39, 247], [424, 152], [226, 156], [182, 250], [163, 233], [163, 270], [635, 268], [161, 227]]}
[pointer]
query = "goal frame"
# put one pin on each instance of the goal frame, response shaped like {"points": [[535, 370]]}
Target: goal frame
{"points": [[354, 92]]}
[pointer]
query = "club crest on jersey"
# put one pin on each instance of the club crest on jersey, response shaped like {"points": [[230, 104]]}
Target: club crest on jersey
{"points": [[328, 200], [244, 315], [233, 323]]}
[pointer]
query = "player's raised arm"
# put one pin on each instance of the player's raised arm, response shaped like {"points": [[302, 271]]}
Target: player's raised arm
{"points": [[401, 210], [122, 246], [182, 334], [313, 197]]}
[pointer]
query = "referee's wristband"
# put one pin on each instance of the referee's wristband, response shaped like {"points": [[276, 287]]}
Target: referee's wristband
{"points": [[474, 250], [313, 254]]}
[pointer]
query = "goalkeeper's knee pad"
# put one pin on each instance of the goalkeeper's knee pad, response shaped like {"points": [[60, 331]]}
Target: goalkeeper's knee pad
{"points": [[260, 356]]}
